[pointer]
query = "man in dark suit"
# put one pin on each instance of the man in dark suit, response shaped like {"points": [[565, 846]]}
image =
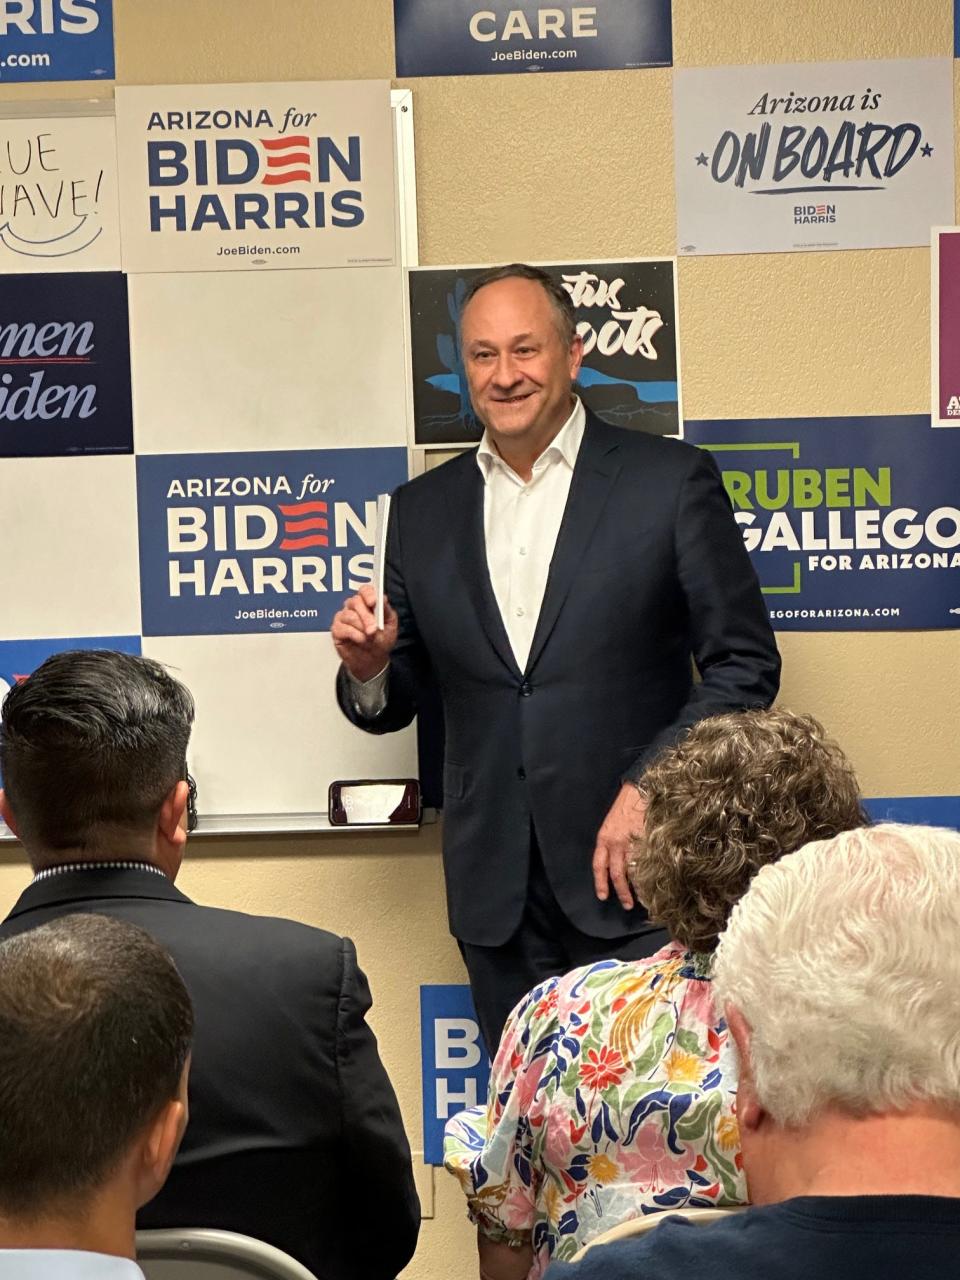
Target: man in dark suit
{"points": [[295, 1135], [555, 584]]}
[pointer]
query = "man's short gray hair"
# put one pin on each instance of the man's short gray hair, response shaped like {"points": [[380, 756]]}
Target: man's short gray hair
{"points": [[558, 297], [844, 960]]}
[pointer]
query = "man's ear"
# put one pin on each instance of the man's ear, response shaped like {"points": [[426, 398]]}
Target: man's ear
{"points": [[6, 813], [171, 822], [750, 1113], [161, 1142], [576, 356]]}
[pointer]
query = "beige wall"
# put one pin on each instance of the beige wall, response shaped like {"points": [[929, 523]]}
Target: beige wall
{"points": [[581, 165]]}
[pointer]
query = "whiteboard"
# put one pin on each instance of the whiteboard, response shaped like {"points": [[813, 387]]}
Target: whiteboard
{"points": [[229, 362]]}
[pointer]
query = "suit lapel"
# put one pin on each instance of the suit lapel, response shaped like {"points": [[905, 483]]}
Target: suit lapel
{"points": [[472, 554], [596, 469]]}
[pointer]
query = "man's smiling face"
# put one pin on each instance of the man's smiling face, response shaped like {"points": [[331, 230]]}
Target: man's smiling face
{"points": [[519, 368]]}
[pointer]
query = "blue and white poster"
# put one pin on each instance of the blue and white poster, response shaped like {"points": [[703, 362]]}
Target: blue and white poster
{"points": [[454, 1064], [853, 524], [257, 542], [626, 316], [817, 155], [236, 177], [463, 37], [56, 40], [65, 361]]}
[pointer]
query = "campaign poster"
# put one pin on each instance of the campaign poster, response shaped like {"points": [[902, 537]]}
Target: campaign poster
{"points": [[233, 177], [56, 40], [257, 541], [819, 155], [945, 327], [853, 524], [65, 361], [454, 1063], [466, 38], [626, 314], [58, 195], [924, 811]]}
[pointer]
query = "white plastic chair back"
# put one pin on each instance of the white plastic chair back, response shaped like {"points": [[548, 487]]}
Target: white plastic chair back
{"points": [[195, 1253]]}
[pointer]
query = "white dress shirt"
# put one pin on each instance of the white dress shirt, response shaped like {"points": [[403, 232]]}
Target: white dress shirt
{"points": [[65, 1264], [521, 520]]}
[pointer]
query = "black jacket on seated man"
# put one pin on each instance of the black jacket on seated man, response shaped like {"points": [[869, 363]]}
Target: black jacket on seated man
{"points": [[295, 1134]]}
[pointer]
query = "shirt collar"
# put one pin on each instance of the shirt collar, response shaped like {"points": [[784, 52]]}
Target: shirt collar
{"points": [[565, 444], [63, 868], [66, 1264]]}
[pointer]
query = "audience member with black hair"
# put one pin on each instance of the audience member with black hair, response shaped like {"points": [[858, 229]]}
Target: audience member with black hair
{"points": [[95, 1029], [295, 1130], [840, 976]]}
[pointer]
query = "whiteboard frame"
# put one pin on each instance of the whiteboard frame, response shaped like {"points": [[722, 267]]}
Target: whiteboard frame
{"points": [[405, 186]]}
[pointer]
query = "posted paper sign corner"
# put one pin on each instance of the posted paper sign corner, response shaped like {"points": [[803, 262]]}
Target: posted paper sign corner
{"points": [[57, 40], [945, 323], [828, 155]]}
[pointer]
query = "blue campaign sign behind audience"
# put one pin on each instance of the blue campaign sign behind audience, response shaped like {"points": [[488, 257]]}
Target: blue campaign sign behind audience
{"points": [[455, 1065], [465, 37], [65, 360], [927, 811], [56, 40]]}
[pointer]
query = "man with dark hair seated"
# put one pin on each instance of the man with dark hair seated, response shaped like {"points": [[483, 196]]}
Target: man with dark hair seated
{"points": [[840, 975], [95, 1028], [295, 1130]]}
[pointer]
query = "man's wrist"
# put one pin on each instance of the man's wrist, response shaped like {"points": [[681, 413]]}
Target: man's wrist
{"points": [[360, 679]]}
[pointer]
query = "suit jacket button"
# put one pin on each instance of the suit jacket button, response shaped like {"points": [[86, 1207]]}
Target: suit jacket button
{"points": [[522, 774], [526, 690]]}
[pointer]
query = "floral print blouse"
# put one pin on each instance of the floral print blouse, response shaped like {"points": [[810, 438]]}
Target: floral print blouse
{"points": [[611, 1096]]}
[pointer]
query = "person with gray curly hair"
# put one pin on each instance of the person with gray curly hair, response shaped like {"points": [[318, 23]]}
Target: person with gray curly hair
{"points": [[612, 1094], [840, 979]]}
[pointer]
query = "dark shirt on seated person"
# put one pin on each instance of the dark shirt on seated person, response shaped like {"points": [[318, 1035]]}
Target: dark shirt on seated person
{"points": [[808, 1238]]}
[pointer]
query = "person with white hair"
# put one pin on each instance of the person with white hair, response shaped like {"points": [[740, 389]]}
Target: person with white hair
{"points": [[840, 975]]}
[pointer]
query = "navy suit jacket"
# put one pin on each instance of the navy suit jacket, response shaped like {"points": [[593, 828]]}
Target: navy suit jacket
{"points": [[649, 571], [295, 1135]]}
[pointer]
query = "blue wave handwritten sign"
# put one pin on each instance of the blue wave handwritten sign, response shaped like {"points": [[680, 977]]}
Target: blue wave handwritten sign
{"points": [[64, 365], [56, 40], [58, 195]]}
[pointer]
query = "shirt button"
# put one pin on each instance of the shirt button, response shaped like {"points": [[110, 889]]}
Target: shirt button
{"points": [[519, 613], [522, 550]]}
